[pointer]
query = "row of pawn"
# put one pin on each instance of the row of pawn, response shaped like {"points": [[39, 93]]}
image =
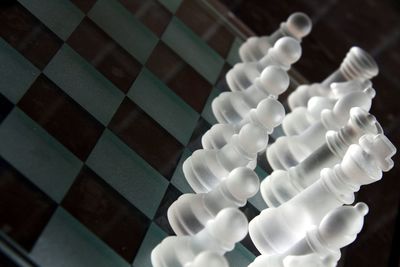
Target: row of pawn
{"points": [[333, 115], [208, 223]]}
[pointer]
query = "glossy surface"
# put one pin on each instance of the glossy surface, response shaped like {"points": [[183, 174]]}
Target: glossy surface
{"points": [[100, 103]]}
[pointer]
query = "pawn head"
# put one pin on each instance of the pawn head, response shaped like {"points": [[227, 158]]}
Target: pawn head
{"points": [[229, 227], [253, 138], [243, 183], [274, 80], [299, 25], [288, 49], [270, 113]]}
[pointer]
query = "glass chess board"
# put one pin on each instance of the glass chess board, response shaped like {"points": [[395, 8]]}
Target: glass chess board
{"points": [[101, 102]]}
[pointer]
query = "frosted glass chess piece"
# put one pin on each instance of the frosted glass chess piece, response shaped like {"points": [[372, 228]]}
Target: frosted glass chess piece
{"points": [[288, 151], [298, 25], [190, 212], [300, 118], [283, 54], [283, 185], [232, 107], [322, 244], [357, 64], [308, 260], [275, 230], [205, 168], [219, 236], [208, 259], [269, 113]]}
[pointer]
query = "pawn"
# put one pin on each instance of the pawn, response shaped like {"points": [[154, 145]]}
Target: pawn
{"points": [[232, 107], [190, 212], [283, 54], [269, 113], [219, 236], [209, 259], [357, 65], [205, 169], [298, 25]]}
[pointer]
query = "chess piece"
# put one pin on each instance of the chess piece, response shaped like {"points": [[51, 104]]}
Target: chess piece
{"points": [[208, 259], [190, 212], [288, 151], [283, 54], [282, 185], [337, 229], [275, 230], [301, 118], [357, 64], [232, 107], [204, 169], [219, 236], [269, 113], [308, 260], [298, 25]]}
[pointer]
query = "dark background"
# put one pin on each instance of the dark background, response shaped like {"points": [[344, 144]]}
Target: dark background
{"points": [[373, 25]]}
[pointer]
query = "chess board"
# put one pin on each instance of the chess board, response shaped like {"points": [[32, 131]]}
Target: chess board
{"points": [[101, 102]]}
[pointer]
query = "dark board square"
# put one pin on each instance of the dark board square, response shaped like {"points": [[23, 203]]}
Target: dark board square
{"points": [[179, 76], [84, 5], [151, 13], [262, 161], [210, 28], [106, 213], [63, 118], [201, 128], [6, 261], [221, 83], [107, 56], [28, 35], [24, 208], [161, 218], [146, 137], [250, 211], [5, 107]]}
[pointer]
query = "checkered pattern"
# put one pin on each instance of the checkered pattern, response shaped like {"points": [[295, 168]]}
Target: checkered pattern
{"points": [[101, 101]]}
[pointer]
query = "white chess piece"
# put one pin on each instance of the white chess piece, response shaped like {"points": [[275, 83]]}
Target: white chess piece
{"points": [[219, 236], [298, 147], [190, 212], [275, 230], [298, 25], [208, 259], [269, 113], [232, 107], [337, 229], [357, 64], [308, 260], [282, 185], [301, 118], [204, 169], [283, 54]]}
